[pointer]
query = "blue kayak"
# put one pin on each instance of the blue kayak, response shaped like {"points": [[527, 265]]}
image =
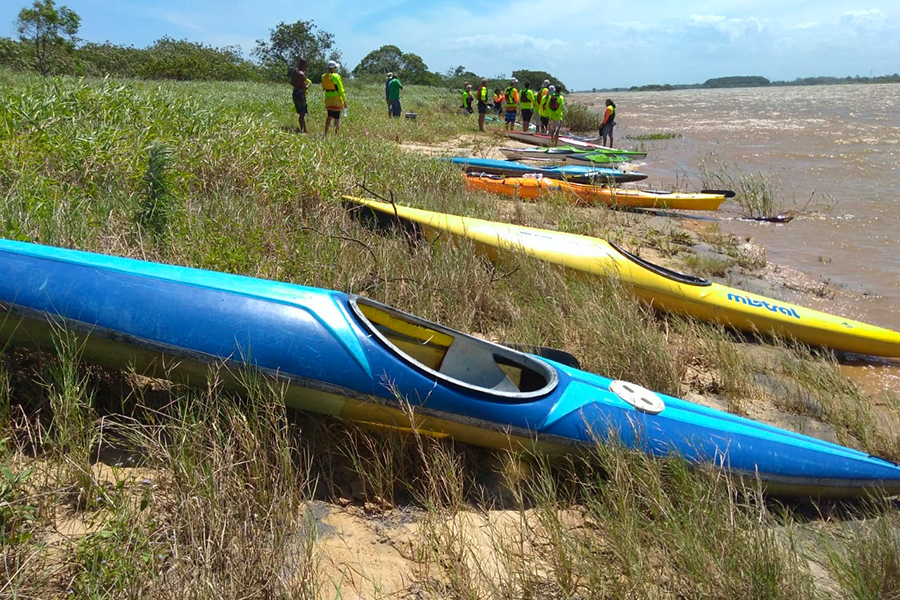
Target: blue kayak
{"points": [[596, 175], [349, 356]]}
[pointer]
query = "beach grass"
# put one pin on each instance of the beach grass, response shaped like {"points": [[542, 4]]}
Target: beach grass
{"points": [[117, 485]]}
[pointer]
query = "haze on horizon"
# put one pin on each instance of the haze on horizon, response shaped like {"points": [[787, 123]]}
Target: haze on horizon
{"points": [[585, 43]]}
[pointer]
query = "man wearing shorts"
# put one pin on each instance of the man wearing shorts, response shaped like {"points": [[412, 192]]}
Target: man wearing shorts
{"points": [[301, 84], [544, 123], [394, 87], [512, 103], [526, 106], [387, 97], [481, 97], [335, 99], [609, 121], [554, 111]]}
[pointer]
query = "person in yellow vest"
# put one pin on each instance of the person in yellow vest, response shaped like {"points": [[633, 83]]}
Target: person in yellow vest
{"points": [[554, 111], [526, 106], [481, 98], [544, 122], [467, 99], [609, 121], [512, 103], [335, 98]]}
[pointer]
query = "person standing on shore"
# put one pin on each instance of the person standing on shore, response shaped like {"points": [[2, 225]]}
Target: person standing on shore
{"points": [[481, 97], [467, 99], [301, 84], [387, 95], [394, 86], [335, 99], [526, 106], [498, 101], [512, 103], [555, 104], [543, 121], [609, 121]]}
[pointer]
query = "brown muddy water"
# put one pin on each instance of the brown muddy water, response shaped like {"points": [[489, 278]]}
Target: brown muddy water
{"points": [[833, 150]]}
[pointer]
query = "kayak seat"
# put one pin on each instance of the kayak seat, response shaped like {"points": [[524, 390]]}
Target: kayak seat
{"points": [[473, 363]]}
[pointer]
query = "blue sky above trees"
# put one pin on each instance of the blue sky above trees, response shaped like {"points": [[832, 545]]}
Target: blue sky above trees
{"points": [[584, 42]]}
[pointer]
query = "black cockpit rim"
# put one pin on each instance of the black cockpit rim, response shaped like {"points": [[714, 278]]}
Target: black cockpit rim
{"points": [[533, 368], [667, 273]]}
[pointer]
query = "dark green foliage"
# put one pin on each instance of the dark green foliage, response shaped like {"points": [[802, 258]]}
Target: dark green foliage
{"points": [[168, 58], [408, 67], [736, 81], [579, 117], [537, 77], [290, 42], [156, 207], [49, 31]]}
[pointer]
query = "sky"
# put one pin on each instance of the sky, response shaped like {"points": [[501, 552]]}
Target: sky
{"points": [[585, 43]]}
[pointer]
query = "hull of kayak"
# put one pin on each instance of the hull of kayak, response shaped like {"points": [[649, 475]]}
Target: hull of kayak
{"points": [[550, 154], [532, 188], [351, 357], [663, 288], [571, 172], [539, 139]]}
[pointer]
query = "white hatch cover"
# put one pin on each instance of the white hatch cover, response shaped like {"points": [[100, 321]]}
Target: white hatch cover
{"points": [[641, 398]]}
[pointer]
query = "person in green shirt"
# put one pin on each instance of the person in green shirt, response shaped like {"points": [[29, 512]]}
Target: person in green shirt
{"points": [[394, 86], [335, 98], [554, 111]]}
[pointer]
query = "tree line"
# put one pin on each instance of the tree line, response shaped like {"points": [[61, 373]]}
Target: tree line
{"points": [[48, 43], [758, 81]]}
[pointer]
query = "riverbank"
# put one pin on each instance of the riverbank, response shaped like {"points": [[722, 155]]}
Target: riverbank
{"points": [[121, 485]]}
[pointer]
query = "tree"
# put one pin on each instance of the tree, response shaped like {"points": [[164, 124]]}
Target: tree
{"points": [[537, 78], [288, 42], [408, 67], [49, 30]]}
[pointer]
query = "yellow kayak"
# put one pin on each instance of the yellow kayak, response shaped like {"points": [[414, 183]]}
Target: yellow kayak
{"points": [[662, 288]]}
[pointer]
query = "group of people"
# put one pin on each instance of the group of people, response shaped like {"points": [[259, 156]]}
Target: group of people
{"points": [[548, 103], [333, 87]]}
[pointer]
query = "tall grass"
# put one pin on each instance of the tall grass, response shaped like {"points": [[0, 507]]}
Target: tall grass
{"points": [[205, 493]]}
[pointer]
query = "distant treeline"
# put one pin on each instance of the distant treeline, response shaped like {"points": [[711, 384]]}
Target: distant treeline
{"points": [[168, 58], [755, 81]]}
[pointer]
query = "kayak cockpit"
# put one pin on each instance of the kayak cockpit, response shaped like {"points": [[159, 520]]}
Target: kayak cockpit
{"points": [[660, 270], [455, 357]]}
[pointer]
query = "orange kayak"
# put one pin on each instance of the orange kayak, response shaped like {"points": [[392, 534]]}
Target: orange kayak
{"points": [[532, 188]]}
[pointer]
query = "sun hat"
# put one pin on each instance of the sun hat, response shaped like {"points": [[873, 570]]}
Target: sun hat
{"points": [[551, 89], [514, 80], [390, 74], [546, 82], [332, 64]]}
